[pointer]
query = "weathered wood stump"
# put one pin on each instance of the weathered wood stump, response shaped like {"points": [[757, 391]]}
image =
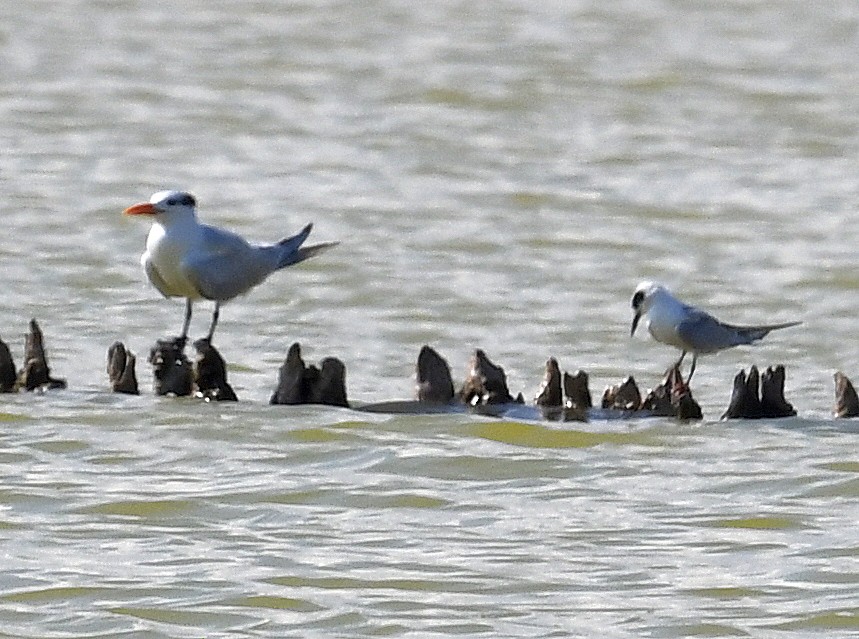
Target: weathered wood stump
{"points": [[551, 393], [576, 390], [846, 399], [120, 369], [773, 402], [36, 372], [171, 370], [210, 374], [330, 385], [300, 384], [672, 398], [624, 396], [8, 374], [756, 397], [551, 398], [486, 383], [434, 382]]}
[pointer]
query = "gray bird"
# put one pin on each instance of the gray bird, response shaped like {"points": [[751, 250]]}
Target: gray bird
{"points": [[184, 258], [690, 329]]}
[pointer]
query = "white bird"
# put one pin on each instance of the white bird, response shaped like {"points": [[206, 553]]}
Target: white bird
{"points": [[184, 258], [690, 329]]}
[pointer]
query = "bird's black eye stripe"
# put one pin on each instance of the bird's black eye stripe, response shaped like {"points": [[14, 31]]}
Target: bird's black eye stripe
{"points": [[188, 200], [637, 299], [171, 201]]}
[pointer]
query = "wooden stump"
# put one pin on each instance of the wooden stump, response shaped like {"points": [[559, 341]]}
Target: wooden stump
{"points": [[120, 369], [300, 384], [756, 397], [672, 398], [172, 374], [434, 382], [550, 394], [576, 390], [36, 372], [486, 383], [210, 374], [773, 403], [624, 396], [330, 385], [8, 374], [846, 400]]}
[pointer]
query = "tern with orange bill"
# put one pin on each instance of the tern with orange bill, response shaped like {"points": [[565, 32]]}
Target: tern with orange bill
{"points": [[185, 258]]}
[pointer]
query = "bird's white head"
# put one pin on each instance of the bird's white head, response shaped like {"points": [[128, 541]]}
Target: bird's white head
{"points": [[167, 206], [642, 299]]}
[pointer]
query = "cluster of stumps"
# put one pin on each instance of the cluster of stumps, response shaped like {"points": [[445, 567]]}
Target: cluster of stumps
{"points": [[561, 396]]}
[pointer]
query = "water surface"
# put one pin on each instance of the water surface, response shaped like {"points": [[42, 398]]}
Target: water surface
{"points": [[500, 176]]}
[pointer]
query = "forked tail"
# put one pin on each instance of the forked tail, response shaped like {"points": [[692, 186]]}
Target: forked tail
{"points": [[292, 252]]}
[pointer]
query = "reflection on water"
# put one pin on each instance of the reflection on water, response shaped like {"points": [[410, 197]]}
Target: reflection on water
{"points": [[500, 176]]}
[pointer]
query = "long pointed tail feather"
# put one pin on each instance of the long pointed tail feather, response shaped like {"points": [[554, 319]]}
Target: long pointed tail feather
{"points": [[754, 333], [305, 252]]}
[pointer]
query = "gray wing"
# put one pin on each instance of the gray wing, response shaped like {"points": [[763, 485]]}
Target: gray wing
{"points": [[703, 333], [229, 266]]}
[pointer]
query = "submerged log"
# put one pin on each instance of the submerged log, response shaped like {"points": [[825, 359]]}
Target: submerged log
{"points": [[36, 372], [172, 374], [486, 383], [8, 374], [846, 399], [756, 397], [210, 374], [300, 384], [434, 382], [120, 369]]}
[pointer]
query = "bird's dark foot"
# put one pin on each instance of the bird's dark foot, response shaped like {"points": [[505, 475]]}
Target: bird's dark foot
{"points": [[179, 342]]}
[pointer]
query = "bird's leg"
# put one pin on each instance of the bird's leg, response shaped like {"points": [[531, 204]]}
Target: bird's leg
{"points": [[186, 324], [692, 370], [215, 314], [677, 366]]}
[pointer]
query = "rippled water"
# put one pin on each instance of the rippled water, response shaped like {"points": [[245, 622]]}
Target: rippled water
{"points": [[500, 175]]}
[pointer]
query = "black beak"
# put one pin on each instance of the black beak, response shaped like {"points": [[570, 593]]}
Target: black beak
{"points": [[635, 321]]}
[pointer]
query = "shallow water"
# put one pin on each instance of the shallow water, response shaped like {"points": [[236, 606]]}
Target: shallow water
{"points": [[500, 176]]}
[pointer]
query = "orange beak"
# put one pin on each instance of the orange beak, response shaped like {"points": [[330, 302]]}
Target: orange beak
{"points": [[144, 208]]}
